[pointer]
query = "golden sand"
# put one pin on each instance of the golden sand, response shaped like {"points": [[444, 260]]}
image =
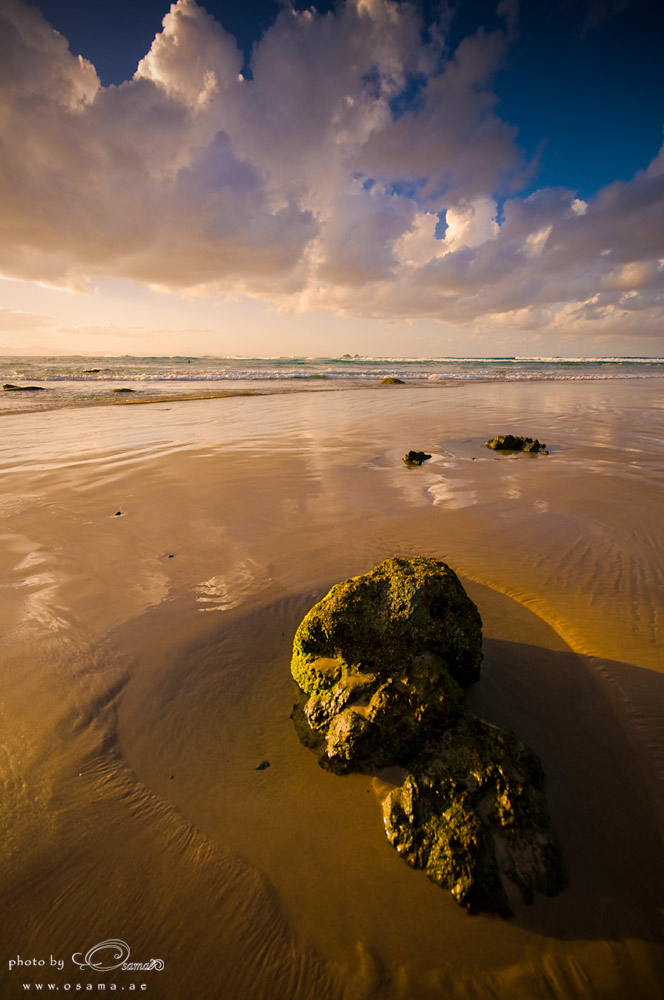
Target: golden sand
{"points": [[156, 562]]}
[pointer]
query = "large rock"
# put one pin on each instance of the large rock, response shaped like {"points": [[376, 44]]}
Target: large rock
{"points": [[382, 660], [381, 664]]}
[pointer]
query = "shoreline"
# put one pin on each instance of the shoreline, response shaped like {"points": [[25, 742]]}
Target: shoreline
{"points": [[121, 400]]}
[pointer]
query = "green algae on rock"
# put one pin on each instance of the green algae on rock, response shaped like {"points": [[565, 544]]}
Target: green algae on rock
{"points": [[381, 663], [415, 457], [509, 442], [392, 380], [385, 620], [473, 813]]}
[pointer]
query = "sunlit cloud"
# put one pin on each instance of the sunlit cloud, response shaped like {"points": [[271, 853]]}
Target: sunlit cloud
{"points": [[311, 182]]}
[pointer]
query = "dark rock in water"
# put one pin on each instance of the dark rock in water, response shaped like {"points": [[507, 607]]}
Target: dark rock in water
{"points": [[381, 663], [118, 513], [122, 390], [392, 380], [91, 371], [8, 387], [263, 764], [509, 442], [416, 457]]}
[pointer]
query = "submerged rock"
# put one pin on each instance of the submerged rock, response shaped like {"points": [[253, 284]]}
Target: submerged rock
{"points": [[8, 387], [392, 380], [122, 390], [415, 457], [381, 663], [509, 442]]}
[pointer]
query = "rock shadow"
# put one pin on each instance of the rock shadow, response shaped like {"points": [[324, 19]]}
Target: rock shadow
{"points": [[597, 790]]}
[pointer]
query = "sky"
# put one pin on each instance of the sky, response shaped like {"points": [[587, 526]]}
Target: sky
{"points": [[382, 177]]}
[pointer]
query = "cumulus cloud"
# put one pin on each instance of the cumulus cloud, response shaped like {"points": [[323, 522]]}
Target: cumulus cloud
{"points": [[356, 168], [142, 180]]}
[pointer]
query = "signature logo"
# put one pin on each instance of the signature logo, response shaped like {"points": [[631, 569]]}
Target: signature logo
{"points": [[114, 954]]}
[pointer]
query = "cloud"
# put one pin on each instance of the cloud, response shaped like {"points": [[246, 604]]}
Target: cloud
{"points": [[357, 168], [16, 319], [192, 58], [141, 180], [450, 140], [546, 265]]}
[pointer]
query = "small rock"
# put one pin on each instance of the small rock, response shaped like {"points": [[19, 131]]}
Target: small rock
{"points": [[118, 513], [8, 387], [263, 764], [122, 390], [416, 457], [510, 442], [392, 380]]}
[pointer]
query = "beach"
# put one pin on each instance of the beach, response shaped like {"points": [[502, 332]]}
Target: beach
{"points": [[156, 562]]}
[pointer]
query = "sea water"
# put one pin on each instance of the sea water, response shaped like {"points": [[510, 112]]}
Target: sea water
{"points": [[83, 381]]}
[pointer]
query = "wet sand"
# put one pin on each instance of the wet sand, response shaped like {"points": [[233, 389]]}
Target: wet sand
{"points": [[155, 564]]}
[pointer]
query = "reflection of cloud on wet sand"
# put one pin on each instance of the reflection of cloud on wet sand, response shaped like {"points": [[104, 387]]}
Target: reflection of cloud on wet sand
{"points": [[228, 590], [451, 493]]}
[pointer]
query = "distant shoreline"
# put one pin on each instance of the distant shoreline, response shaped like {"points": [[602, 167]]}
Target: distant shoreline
{"points": [[130, 399]]}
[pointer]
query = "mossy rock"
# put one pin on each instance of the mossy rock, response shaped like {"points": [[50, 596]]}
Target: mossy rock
{"points": [[382, 660], [392, 380], [510, 442], [415, 457], [473, 814], [381, 622], [381, 663], [434, 825]]}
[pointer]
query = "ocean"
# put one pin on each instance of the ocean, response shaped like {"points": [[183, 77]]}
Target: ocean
{"points": [[84, 381]]}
